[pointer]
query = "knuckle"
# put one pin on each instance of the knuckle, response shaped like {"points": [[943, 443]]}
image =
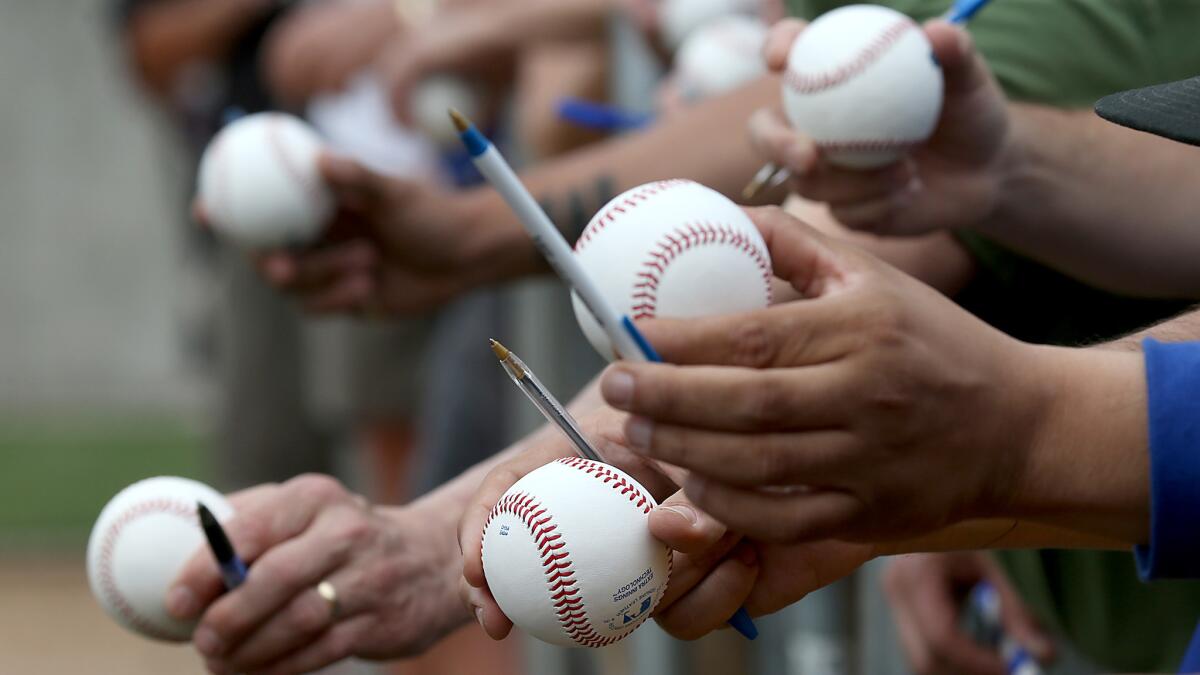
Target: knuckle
{"points": [[766, 406], [318, 487], [751, 345], [308, 614]]}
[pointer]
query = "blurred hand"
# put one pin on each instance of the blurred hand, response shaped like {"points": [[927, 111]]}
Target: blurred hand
{"points": [[711, 569], [468, 42], [926, 590], [393, 569], [321, 45], [398, 246], [841, 414], [951, 181]]}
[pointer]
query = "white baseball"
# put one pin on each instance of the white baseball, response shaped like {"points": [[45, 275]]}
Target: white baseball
{"points": [[139, 544], [259, 183], [721, 56], [862, 82], [568, 554], [678, 18], [674, 248], [431, 100]]}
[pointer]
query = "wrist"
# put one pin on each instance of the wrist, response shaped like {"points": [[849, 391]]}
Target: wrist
{"points": [[1086, 464]]}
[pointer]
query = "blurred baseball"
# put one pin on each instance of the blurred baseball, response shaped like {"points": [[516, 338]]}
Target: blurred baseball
{"points": [[434, 97], [862, 82], [721, 56], [569, 557], [673, 248], [139, 544], [678, 18], [259, 184]]}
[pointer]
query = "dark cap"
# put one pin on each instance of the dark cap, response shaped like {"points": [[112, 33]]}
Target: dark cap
{"points": [[1171, 110]]}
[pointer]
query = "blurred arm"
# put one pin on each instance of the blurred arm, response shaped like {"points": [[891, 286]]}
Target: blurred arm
{"points": [[1114, 207], [163, 37]]}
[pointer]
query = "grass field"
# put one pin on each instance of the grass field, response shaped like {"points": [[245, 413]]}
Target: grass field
{"points": [[56, 473]]}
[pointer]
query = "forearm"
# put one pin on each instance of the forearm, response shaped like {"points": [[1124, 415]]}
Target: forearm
{"points": [[995, 534], [574, 187], [1110, 206], [524, 21], [165, 37]]}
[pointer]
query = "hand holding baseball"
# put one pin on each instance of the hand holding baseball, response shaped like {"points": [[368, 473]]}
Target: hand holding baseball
{"points": [[711, 569], [397, 246], [949, 181], [852, 405], [393, 571]]}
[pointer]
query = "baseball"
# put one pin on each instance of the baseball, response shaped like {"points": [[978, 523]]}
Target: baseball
{"points": [[862, 82], [674, 248], [433, 98], [721, 56], [569, 557], [677, 19], [259, 183], [140, 542]]}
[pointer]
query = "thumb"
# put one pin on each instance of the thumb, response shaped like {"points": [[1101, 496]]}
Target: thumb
{"points": [[779, 43], [355, 187], [963, 68], [680, 525]]}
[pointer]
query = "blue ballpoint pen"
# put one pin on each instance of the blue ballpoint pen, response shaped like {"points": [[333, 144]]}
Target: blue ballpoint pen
{"points": [[233, 570], [629, 342], [985, 601]]}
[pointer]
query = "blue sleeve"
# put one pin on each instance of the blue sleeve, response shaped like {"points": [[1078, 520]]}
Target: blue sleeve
{"points": [[1173, 389]]}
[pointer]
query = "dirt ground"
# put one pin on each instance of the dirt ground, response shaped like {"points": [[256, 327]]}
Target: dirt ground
{"points": [[50, 625]]}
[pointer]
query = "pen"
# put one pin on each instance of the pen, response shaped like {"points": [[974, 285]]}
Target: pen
{"points": [[771, 175], [986, 603], [541, 397], [548, 240], [233, 570]]}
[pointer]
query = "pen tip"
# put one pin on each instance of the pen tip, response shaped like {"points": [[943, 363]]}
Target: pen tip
{"points": [[206, 516], [460, 122], [498, 349]]}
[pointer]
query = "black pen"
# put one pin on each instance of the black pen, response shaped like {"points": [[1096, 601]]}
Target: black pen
{"points": [[233, 570]]}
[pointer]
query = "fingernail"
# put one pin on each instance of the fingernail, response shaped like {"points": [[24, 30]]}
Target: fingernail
{"points": [[747, 555], [479, 617], [207, 641], [684, 511], [617, 388], [638, 431], [181, 602]]}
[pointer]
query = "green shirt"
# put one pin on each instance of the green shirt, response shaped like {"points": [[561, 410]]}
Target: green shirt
{"points": [[1068, 53]]}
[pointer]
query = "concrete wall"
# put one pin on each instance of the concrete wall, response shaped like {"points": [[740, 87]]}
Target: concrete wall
{"points": [[89, 216]]}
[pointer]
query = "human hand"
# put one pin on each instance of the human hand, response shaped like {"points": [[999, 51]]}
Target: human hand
{"points": [[841, 414], [394, 571], [712, 569], [926, 590], [397, 246], [470, 42], [953, 180], [320, 46]]}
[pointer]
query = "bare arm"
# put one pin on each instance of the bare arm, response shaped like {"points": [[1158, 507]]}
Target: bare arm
{"points": [[167, 36], [1114, 207]]}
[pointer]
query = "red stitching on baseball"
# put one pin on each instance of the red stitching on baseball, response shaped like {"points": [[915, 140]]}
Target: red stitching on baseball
{"points": [[868, 145], [811, 83], [644, 298], [311, 190], [568, 606], [108, 583], [631, 200]]}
